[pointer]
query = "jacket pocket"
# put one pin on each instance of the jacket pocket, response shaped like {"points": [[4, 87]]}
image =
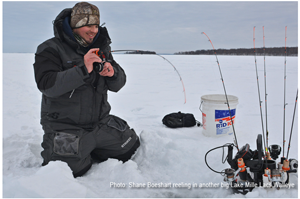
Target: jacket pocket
{"points": [[118, 128], [117, 123], [65, 108], [66, 144]]}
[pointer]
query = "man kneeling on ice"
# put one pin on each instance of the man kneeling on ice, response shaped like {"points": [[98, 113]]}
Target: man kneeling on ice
{"points": [[78, 128]]}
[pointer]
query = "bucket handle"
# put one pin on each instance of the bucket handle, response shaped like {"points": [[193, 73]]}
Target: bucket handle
{"points": [[200, 106]]}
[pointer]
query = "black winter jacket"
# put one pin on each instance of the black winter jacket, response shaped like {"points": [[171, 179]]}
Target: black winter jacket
{"points": [[70, 95]]}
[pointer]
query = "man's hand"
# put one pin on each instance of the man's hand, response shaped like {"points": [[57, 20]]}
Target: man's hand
{"points": [[108, 70], [89, 58]]}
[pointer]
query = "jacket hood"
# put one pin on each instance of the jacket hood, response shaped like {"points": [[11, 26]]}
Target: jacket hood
{"points": [[58, 22]]}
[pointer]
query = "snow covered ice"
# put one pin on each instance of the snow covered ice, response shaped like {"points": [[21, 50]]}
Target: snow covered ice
{"points": [[175, 156]]}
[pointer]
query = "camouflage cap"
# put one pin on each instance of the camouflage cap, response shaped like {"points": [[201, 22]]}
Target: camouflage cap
{"points": [[84, 14]]}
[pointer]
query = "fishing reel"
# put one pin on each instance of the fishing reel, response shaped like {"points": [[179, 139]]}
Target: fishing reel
{"points": [[245, 162], [275, 151], [250, 169], [293, 166], [288, 166], [98, 66], [239, 180]]}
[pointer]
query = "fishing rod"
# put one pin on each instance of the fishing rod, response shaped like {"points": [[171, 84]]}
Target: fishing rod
{"points": [[292, 125], [265, 74], [262, 122], [236, 143], [284, 94], [141, 51], [254, 166]]}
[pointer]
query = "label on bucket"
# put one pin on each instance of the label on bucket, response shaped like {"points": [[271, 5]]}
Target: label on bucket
{"points": [[223, 121], [204, 120]]}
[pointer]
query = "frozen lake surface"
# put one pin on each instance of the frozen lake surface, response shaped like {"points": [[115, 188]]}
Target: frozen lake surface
{"points": [[175, 156]]}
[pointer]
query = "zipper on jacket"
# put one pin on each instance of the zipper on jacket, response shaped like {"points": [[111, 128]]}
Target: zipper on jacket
{"points": [[94, 105], [100, 108], [72, 93]]}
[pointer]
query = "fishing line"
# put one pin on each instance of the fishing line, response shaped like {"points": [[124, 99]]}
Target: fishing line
{"points": [[236, 143], [165, 60]]}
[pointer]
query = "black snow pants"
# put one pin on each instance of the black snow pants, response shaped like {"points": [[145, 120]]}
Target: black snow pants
{"points": [[80, 148]]}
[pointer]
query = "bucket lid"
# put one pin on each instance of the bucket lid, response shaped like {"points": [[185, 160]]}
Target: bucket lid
{"points": [[219, 98]]}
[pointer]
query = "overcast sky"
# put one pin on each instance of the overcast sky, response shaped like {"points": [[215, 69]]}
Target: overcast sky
{"points": [[164, 27]]}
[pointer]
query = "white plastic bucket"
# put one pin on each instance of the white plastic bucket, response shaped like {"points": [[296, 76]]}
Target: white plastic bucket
{"points": [[215, 114]]}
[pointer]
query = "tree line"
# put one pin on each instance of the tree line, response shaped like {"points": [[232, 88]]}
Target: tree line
{"points": [[140, 52], [276, 51]]}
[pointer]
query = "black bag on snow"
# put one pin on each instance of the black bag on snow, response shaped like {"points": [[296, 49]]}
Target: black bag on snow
{"points": [[175, 120]]}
